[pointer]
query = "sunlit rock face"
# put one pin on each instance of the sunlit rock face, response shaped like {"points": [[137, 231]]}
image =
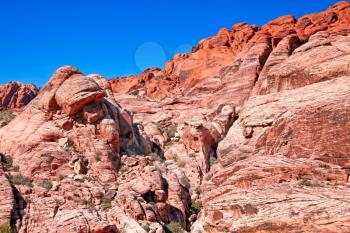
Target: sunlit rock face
{"points": [[16, 95], [247, 133]]}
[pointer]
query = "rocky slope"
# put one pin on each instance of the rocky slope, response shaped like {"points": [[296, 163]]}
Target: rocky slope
{"points": [[248, 133], [16, 95]]}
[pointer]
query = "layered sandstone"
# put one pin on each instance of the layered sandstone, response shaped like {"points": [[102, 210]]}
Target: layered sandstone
{"points": [[16, 95], [80, 164], [247, 133], [292, 167], [225, 67]]}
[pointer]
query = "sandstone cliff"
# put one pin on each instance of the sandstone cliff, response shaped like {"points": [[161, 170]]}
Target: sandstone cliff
{"points": [[247, 133], [16, 95]]}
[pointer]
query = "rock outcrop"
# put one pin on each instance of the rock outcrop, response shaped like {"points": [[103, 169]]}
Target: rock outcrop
{"points": [[224, 68], [16, 95], [292, 167], [80, 164], [247, 133]]}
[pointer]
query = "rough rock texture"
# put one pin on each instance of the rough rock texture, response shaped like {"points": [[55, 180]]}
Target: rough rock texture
{"points": [[224, 68], [286, 152], [16, 95], [67, 170], [292, 167], [247, 133], [6, 199]]}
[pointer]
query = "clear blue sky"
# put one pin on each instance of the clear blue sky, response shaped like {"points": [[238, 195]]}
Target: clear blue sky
{"points": [[116, 38]]}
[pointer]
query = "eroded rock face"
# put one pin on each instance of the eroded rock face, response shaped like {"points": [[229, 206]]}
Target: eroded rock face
{"points": [[16, 95], [248, 133], [66, 148], [288, 167], [224, 68], [6, 199], [76, 93]]}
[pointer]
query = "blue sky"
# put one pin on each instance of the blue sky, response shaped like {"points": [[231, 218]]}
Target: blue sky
{"points": [[116, 38]]}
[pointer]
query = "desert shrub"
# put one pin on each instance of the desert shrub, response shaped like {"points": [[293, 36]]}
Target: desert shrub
{"points": [[70, 147], [154, 206], [196, 206], [175, 227], [5, 228], [5, 117], [155, 157], [172, 131], [46, 184], [106, 203], [174, 158], [88, 202], [305, 182], [208, 177], [21, 180], [212, 160], [146, 227], [198, 190], [122, 168], [185, 182], [7, 161]]}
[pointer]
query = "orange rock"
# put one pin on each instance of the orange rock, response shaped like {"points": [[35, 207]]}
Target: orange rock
{"points": [[16, 95]]}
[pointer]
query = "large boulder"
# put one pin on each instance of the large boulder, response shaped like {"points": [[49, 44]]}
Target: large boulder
{"points": [[77, 92]]}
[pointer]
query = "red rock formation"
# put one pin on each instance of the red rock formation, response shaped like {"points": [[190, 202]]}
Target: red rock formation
{"points": [[291, 167], [284, 148], [226, 66], [66, 147], [16, 95], [248, 133]]}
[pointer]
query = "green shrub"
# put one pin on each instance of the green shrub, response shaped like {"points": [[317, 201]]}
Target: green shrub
{"points": [[196, 206], [185, 182], [197, 190], [172, 131], [21, 180], [70, 147], [146, 227], [155, 157], [154, 206], [212, 160], [208, 177], [5, 117], [7, 161], [88, 202], [122, 169], [175, 227], [305, 182], [46, 184], [174, 158], [5, 228], [106, 203]]}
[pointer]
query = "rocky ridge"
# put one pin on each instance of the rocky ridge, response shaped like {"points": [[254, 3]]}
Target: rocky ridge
{"points": [[248, 133], [16, 95]]}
